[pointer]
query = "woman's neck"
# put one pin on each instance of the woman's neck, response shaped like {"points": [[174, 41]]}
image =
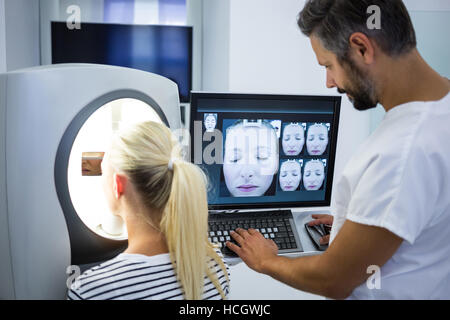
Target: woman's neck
{"points": [[142, 237]]}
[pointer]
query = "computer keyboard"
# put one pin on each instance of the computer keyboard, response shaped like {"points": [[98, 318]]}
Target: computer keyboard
{"points": [[276, 225]]}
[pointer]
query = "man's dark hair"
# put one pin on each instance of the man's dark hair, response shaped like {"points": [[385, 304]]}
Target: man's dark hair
{"points": [[334, 21]]}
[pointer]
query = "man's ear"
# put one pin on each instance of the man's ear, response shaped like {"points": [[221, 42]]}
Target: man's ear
{"points": [[120, 182], [362, 47]]}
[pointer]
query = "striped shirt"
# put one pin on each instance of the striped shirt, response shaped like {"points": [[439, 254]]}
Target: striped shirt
{"points": [[139, 277]]}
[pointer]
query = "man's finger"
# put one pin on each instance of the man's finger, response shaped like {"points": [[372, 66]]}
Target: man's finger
{"points": [[236, 236], [233, 247], [317, 221], [252, 231], [325, 239], [318, 216], [273, 244], [242, 232]]}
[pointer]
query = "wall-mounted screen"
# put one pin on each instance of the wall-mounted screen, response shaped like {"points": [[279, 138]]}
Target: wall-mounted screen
{"points": [[161, 49]]}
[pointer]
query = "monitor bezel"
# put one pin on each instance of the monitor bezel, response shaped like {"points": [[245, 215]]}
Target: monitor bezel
{"points": [[196, 96]]}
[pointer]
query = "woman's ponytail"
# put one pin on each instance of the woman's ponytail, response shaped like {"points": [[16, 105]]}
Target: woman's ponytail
{"points": [[185, 226]]}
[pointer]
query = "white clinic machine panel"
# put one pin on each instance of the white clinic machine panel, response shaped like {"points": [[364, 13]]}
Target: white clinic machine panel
{"points": [[56, 122]]}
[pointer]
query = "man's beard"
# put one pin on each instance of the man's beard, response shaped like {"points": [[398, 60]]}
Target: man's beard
{"points": [[361, 88]]}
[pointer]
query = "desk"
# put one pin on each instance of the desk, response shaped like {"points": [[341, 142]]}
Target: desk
{"points": [[247, 284]]}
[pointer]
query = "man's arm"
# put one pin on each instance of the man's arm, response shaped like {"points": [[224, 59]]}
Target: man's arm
{"points": [[335, 273]]}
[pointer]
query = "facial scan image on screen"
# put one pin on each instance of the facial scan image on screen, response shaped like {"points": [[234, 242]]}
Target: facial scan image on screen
{"points": [[290, 175], [84, 175], [293, 138], [314, 174], [210, 122], [317, 138], [250, 158], [262, 142]]}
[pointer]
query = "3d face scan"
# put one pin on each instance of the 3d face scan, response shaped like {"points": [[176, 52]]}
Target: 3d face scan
{"points": [[313, 175], [290, 175], [251, 158], [210, 122], [317, 139], [293, 139]]}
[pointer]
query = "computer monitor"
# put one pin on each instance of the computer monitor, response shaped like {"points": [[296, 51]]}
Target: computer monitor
{"points": [[265, 151], [161, 49]]}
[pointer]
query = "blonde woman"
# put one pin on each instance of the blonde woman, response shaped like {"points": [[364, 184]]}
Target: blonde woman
{"points": [[162, 200]]}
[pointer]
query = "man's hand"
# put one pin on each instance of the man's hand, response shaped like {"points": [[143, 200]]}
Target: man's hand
{"points": [[255, 250], [322, 219]]}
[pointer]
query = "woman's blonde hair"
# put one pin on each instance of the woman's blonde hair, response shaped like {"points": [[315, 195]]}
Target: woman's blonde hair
{"points": [[149, 155]]}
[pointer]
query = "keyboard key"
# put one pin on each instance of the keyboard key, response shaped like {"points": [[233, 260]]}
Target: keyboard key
{"points": [[272, 236], [266, 236], [219, 233]]}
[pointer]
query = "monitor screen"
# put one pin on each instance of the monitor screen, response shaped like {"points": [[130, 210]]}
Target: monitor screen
{"points": [[164, 50], [263, 151]]}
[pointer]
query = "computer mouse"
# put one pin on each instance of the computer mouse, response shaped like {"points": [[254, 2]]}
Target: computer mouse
{"points": [[315, 233]]}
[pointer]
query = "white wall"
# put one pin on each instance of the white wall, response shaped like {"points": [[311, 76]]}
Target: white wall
{"points": [[216, 45], [430, 5], [21, 34], [194, 18]]}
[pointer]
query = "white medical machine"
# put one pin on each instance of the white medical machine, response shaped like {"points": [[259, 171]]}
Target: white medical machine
{"points": [[55, 121]]}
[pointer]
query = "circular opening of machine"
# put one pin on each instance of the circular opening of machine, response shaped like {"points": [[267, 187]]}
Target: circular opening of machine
{"points": [[84, 175]]}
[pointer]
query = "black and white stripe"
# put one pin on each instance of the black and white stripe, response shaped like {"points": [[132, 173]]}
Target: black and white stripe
{"points": [[138, 277]]}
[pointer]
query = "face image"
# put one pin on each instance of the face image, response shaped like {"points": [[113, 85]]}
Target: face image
{"points": [[293, 139], [313, 175], [250, 159], [91, 163], [317, 139], [347, 77], [210, 123], [290, 175]]}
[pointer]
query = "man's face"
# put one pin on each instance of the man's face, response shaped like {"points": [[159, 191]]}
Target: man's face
{"points": [[346, 77]]}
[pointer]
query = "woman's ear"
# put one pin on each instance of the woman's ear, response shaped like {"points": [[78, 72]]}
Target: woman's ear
{"points": [[362, 47], [120, 182]]}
